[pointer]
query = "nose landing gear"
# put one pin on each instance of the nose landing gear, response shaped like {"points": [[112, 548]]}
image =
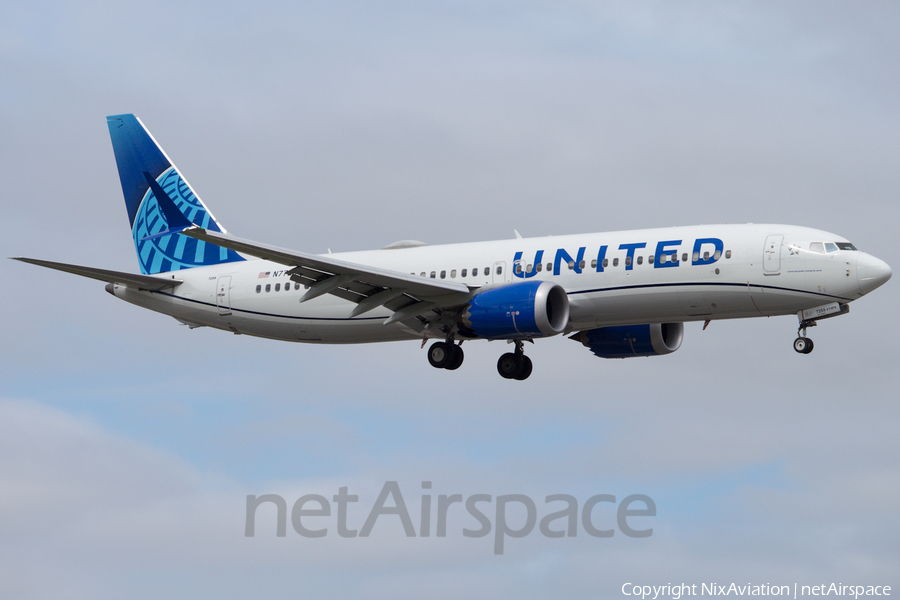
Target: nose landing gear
{"points": [[808, 318]]}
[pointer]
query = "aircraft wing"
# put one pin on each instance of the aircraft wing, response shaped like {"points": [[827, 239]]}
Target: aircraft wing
{"points": [[370, 287], [145, 282]]}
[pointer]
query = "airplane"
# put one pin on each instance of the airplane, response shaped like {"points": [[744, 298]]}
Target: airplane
{"points": [[621, 294]]}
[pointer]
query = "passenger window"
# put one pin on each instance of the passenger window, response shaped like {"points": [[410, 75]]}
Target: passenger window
{"points": [[258, 289], [627, 261], [615, 262], [846, 246], [296, 286], [683, 257], [433, 274], [695, 256], [706, 256], [594, 264], [640, 260], [422, 274], [268, 287], [831, 247], [487, 271], [453, 274], [581, 265], [463, 273], [571, 265], [549, 266], [817, 247], [650, 259], [605, 262], [443, 274], [519, 269], [499, 270], [717, 255], [277, 287], [539, 267], [728, 254]]}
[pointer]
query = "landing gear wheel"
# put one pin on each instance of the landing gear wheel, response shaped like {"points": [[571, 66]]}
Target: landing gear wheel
{"points": [[508, 365], [440, 355], [803, 345], [514, 366], [456, 358], [525, 367]]}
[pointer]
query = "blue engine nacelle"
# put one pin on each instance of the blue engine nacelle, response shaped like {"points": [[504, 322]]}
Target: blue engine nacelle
{"points": [[516, 311], [633, 340]]}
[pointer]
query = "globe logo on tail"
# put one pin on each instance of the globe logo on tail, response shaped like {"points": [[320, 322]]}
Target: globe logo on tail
{"points": [[175, 252]]}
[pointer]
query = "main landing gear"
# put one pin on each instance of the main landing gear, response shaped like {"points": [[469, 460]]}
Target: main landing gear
{"points": [[445, 355], [515, 365], [512, 365]]}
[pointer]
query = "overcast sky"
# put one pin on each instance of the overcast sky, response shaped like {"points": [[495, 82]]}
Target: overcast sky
{"points": [[128, 443]]}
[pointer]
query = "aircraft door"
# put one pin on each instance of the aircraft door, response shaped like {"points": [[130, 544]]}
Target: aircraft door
{"points": [[499, 274], [223, 294], [772, 255]]}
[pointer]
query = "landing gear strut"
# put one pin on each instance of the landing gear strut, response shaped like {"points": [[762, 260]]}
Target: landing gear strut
{"points": [[445, 355], [515, 365], [803, 344]]}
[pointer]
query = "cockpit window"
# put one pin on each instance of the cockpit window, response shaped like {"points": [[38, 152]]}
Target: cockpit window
{"points": [[831, 246]]}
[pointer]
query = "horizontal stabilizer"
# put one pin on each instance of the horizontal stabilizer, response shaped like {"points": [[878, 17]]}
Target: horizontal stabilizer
{"points": [[146, 282]]}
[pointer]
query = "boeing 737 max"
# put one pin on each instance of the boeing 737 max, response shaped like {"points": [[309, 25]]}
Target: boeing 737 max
{"points": [[621, 294]]}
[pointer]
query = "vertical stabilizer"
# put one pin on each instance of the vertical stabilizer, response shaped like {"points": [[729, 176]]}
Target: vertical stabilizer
{"points": [[137, 156]]}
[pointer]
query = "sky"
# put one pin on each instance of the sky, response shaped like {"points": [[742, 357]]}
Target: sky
{"points": [[129, 444]]}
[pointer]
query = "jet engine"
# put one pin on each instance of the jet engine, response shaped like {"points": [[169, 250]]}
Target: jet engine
{"points": [[517, 311], [626, 341]]}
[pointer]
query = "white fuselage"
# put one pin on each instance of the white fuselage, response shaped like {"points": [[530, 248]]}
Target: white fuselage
{"points": [[666, 275]]}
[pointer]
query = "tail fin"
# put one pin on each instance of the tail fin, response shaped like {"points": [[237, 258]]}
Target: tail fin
{"points": [[136, 153]]}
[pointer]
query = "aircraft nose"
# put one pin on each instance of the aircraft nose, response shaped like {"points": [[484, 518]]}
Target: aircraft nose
{"points": [[871, 273]]}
